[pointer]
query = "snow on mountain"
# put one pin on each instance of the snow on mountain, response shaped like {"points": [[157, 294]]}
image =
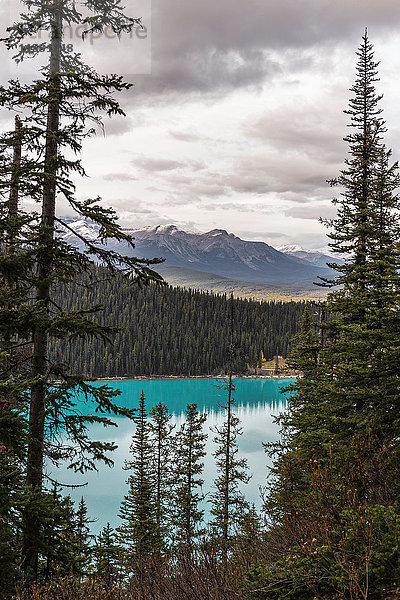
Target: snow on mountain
{"points": [[83, 228], [319, 258], [217, 252]]}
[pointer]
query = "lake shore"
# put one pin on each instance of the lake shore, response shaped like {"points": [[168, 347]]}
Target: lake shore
{"points": [[156, 377]]}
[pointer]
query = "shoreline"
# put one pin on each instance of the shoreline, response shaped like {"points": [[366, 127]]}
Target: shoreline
{"points": [[172, 377]]}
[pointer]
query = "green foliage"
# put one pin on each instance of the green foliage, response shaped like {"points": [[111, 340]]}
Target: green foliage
{"points": [[139, 535], [354, 559], [39, 161], [189, 450], [65, 541], [107, 552], [170, 331], [228, 503], [333, 505], [161, 439]]}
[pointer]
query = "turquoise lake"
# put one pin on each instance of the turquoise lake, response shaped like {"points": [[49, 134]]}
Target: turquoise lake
{"points": [[257, 401]]}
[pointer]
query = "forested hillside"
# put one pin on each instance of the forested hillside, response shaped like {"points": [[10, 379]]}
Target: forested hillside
{"points": [[170, 331]]}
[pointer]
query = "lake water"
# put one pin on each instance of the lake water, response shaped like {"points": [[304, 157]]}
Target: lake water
{"points": [[257, 400]]}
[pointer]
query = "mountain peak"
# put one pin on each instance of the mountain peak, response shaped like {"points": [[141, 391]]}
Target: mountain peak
{"points": [[217, 252], [168, 228], [215, 232]]}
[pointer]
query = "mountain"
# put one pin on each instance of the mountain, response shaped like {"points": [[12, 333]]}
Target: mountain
{"points": [[316, 257], [216, 253], [221, 253], [198, 280]]}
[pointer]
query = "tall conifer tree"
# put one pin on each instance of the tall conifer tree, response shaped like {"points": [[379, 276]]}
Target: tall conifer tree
{"points": [[335, 500], [227, 502], [139, 534], [107, 554], [189, 450], [58, 111], [161, 439]]}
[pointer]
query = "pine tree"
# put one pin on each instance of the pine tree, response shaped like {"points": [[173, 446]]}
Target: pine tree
{"points": [[350, 365], [302, 429], [64, 545], [160, 431], [107, 552], [83, 537], [139, 534], [364, 331], [56, 112], [228, 503], [189, 450], [330, 514]]}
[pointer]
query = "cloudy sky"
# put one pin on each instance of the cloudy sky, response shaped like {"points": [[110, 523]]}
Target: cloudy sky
{"points": [[235, 119]]}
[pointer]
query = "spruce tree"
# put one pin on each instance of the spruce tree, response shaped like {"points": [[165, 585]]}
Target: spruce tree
{"points": [[58, 111], [334, 503], [138, 533], [161, 439], [83, 538], [107, 553], [350, 383], [64, 544], [363, 331], [227, 502], [189, 450]]}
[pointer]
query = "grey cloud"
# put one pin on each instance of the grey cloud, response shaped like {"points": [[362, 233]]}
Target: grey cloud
{"points": [[119, 177], [240, 207], [210, 189], [157, 164], [212, 46], [226, 206], [153, 188], [296, 178], [206, 185], [179, 179], [281, 173], [186, 136], [162, 165], [117, 125], [316, 131], [130, 205], [311, 212], [210, 70], [261, 235]]}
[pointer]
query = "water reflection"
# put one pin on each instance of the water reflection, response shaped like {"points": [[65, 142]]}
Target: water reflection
{"points": [[257, 401]]}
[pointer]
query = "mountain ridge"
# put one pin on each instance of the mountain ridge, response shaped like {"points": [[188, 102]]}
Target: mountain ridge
{"points": [[217, 253]]}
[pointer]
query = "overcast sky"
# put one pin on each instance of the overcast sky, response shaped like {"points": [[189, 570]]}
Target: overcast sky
{"points": [[236, 117]]}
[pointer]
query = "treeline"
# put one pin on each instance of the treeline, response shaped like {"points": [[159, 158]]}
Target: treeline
{"points": [[172, 331]]}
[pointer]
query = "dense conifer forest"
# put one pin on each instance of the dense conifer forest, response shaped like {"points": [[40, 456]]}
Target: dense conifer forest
{"points": [[171, 331]]}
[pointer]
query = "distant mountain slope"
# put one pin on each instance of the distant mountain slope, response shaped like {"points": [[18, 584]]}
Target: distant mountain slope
{"points": [[199, 280], [221, 253], [217, 253], [316, 257]]}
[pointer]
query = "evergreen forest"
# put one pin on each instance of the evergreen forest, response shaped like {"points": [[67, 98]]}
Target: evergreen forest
{"points": [[171, 331], [329, 527]]}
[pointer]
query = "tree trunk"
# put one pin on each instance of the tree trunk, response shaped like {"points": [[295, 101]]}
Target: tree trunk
{"points": [[40, 339], [14, 184], [227, 465]]}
